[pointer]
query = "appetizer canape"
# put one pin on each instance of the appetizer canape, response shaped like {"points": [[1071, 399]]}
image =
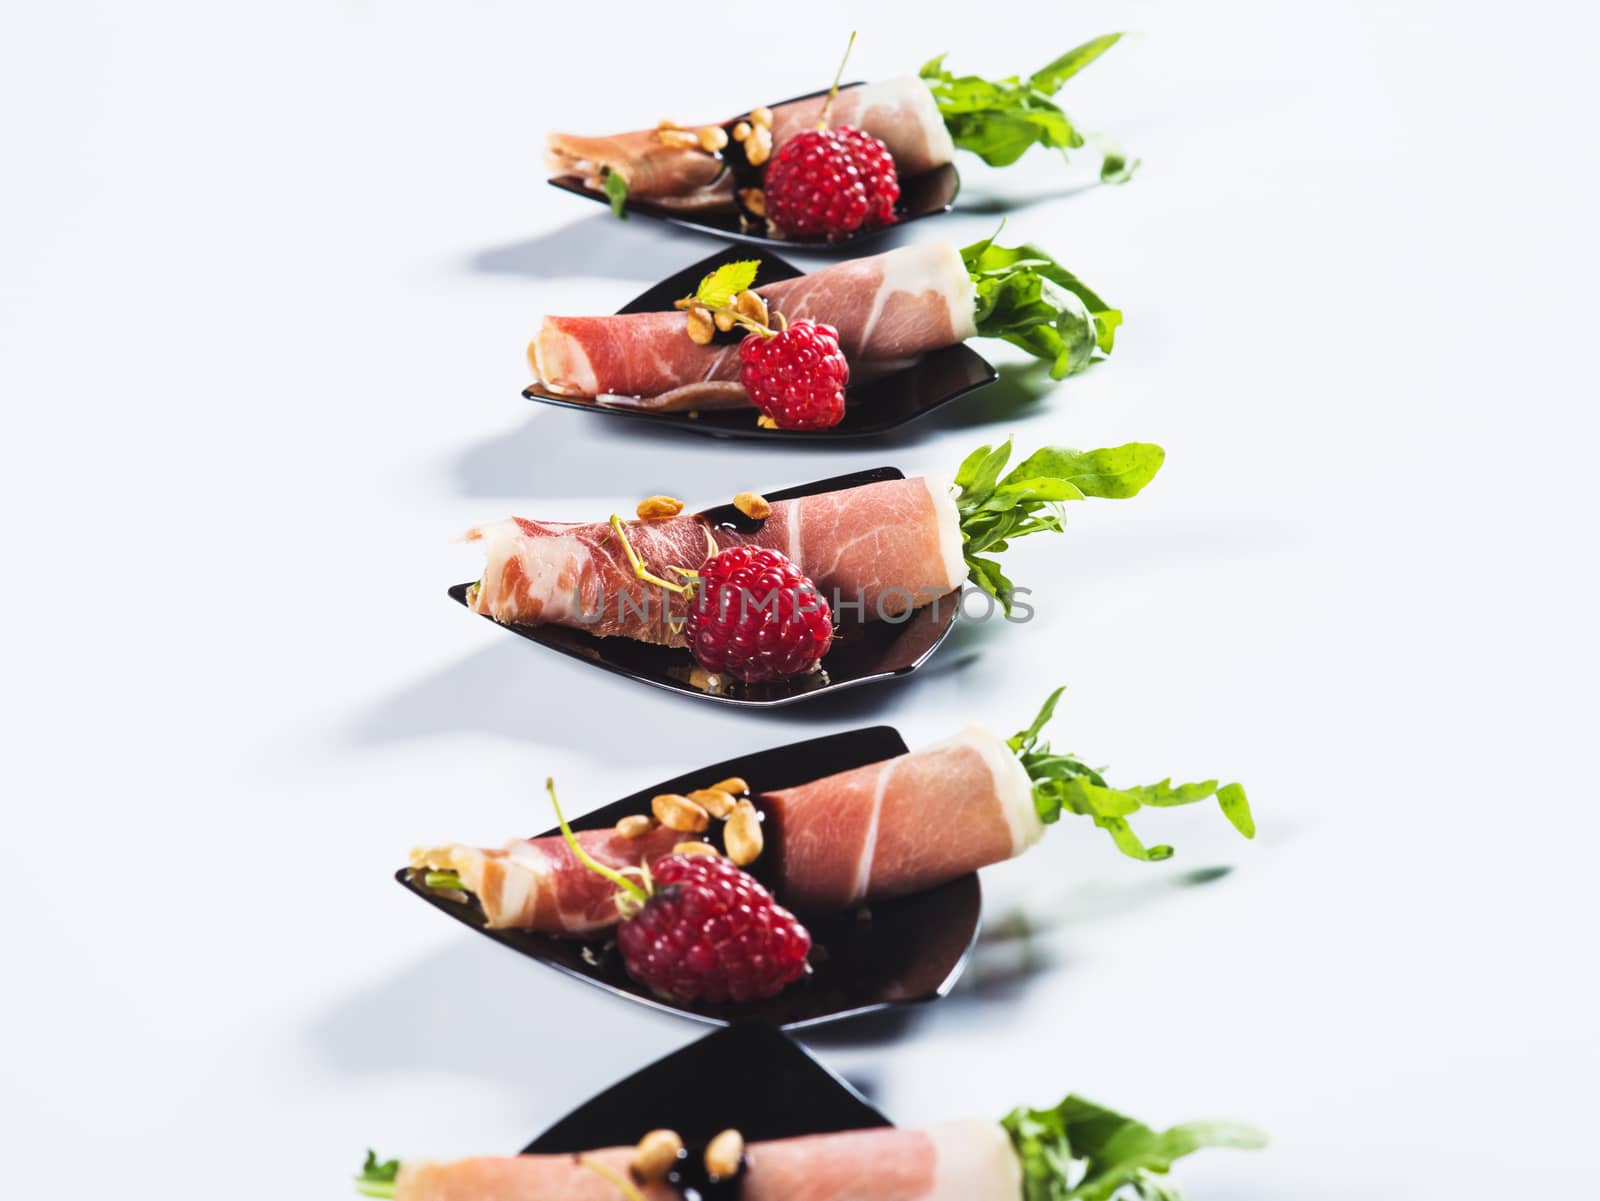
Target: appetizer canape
{"points": [[749, 599], [829, 165], [789, 349], [883, 830], [1074, 1151]]}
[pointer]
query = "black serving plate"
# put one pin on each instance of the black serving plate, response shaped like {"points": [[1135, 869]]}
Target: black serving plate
{"points": [[750, 1078], [872, 407], [862, 653], [925, 195], [897, 952]]}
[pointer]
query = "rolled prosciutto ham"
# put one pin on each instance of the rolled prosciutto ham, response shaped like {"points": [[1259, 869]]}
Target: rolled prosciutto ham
{"points": [[900, 112], [880, 831], [956, 1161], [893, 546], [887, 308]]}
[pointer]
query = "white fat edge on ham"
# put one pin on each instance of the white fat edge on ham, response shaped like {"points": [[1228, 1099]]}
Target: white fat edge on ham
{"points": [[542, 561], [907, 93], [974, 1162], [951, 544], [869, 844], [926, 267], [1012, 786], [574, 376]]}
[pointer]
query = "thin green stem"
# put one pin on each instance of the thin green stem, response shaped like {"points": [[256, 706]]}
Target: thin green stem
{"points": [[588, 860], [827, 105], [626, 1186], [639, 569], [448, 881]]}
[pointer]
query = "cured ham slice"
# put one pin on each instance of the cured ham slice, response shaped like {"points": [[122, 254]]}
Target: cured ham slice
{"points": [[539, 884], [890, 547], [887, 308], [957, 1161], [901, 112], [879, 831], [901, 825]]}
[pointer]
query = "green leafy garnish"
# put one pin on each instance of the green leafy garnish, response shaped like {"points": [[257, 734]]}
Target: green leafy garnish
{"points": [[1032, 301], [615, 184], [377, 1179], [717, 290], [998, 119], [447, 881], [995, 509], [1080, 1151], [1065, 784]]}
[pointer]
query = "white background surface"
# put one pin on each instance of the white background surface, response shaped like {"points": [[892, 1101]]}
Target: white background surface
{"points": [[266, 272]]}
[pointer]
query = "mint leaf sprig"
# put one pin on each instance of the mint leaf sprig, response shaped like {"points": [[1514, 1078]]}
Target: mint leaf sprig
{"points": [[1065, 784], [1080, 1151], [377, 1179], [1028, 299], [996, 509], [999, 119]]}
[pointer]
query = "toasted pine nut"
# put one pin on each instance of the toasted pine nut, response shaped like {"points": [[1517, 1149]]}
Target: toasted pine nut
{"points": [[724, 320], [652, 507], [742, 835], [753, 506], [724, 1154], [762, 115], [679, 813], [655, 1155], [701, 327], [713, 138], [734, 785], [694, 847], [766, 423], [713, 800], [741, 131], [750, 306], [667, 123], [680, 139], [758, 146], [635, 825], [754, 199]]}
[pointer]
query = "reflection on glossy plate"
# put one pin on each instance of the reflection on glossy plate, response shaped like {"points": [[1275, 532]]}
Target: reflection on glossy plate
{"points": [[872, 407], [925, 195], [749, 1078], [864, 652], [897, 952]]}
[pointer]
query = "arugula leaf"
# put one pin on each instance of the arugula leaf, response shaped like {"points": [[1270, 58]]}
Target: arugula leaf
{"points": [[995, 509], [377, 1179], [999, 119], [1065, 784], [717, 290], [1032, 301], [615, 184], [1080, 1151]]}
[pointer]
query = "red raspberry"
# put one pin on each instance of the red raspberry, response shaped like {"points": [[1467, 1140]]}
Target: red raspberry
{"points": [[830, 183], [711, 932], [797, 376], [757, 617]]}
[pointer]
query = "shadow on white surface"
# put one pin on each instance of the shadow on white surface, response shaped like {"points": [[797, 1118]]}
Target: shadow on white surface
{"points": [[598, 245]]}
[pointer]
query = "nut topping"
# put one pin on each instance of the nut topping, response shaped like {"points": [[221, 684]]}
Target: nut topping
{"points": [[724, 1154], [679, 813], [655, 1155], [713, 800], [762, 116], [742, 835], [753, 506], [655, 507], [751, 307], [733, 784], [694, 847], [754, 199], [679, 139], [741, 131], [713, 138], [635, 825], [701, 327], [758, 146]]}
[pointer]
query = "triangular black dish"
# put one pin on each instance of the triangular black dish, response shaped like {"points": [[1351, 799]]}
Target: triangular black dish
{"points": [[864, 651], [871, 408], [897, 952]]}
